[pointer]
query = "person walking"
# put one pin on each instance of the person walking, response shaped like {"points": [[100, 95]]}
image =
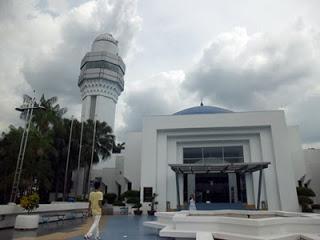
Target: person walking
{"points": [[192, 203], [95, 209]]}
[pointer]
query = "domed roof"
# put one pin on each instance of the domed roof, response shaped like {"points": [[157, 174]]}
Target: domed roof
{"points": [[105, 43], [106, 37], [202, 110]]}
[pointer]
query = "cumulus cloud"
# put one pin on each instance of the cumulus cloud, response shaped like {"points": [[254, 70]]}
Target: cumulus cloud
{"points": [[245, 71], [159, 94], [42, 45], [261, 71]]}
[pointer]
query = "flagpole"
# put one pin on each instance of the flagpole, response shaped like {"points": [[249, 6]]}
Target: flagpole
{"points": [[67, 163]]}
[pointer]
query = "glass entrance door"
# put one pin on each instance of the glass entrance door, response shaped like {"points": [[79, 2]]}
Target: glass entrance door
{"points": [[212, 187]]}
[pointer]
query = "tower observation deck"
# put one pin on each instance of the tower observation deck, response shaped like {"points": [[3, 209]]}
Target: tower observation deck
{"points": [[101, 80]]}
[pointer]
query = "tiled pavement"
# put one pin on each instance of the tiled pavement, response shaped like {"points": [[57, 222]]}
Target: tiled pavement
{"points": [[51, 231], [127, 228], [111, 227]]}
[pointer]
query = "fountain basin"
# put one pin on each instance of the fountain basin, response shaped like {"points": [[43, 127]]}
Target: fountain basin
{"points": [[237, 224]]}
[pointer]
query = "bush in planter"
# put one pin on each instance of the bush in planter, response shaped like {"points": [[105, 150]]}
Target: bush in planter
{"points": [[305, 200], [110, 197], [29, 221], [133, 200], [316, 206], [304, 191], [137, 211], [30, 202], [153, 204], [305, 195], [119, 204], [131, 194]]}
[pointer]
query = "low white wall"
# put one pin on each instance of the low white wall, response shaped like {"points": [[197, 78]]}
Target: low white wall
{"points": [[8, 213]]}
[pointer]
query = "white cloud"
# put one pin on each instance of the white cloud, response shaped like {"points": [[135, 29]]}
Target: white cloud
{"points": [[159, 94], [261, 71], [258, 66], [41, 47]]}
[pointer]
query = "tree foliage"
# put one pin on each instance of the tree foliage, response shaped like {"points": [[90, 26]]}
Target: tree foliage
{"points": [[47, 147]]}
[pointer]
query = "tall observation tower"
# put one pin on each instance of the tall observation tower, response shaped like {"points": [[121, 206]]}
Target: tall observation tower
{"points": [[101, 80]]}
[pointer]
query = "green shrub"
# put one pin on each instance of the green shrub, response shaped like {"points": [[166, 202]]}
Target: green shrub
{"points": [[110, 197], [316, 206], [133, 200], [138, 205], [30, 202], [306, 209], [131, 194], [118, 203], [304, 200], [303, 191]]}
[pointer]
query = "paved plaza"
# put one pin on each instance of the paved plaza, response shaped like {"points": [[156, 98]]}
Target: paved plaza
{"points": [[111, 227], [127, 227]]}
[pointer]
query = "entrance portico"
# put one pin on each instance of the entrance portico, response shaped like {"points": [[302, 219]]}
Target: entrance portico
{"points": [[217, 182]]}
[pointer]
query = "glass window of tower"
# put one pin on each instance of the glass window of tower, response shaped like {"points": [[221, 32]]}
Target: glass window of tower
{"points": [[103, 64]]}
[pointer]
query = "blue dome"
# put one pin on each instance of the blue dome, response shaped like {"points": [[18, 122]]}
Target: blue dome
{"points": [[202, 110]]}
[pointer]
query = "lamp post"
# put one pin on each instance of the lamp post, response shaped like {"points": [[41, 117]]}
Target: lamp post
{"points": [[67, 163], [23, 145]]}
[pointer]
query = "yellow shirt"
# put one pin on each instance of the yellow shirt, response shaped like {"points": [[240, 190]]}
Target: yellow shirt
{"points": [[94, 198]]}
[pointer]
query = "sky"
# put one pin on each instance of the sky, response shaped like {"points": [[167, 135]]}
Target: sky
{"points": [[241, 55]]}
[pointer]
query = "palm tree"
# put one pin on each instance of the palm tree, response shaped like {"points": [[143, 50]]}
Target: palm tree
{"points": [[8, 152], [51, 126]]}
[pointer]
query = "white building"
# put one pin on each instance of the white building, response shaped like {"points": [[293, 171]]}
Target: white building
{"points": [[216, 137], [220, 156]]}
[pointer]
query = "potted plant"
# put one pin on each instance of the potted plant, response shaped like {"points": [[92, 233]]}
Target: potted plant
{"points": [[110, 198], [305, 195], [131, 202], [28, 221], [152, 205], [316, 208], [137, 211]]}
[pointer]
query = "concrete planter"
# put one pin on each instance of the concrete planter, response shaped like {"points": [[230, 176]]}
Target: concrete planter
{"points": [[130, 209], [120, 210], [316, 211], [27, 222]]}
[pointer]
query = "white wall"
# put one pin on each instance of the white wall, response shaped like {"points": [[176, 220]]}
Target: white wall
{"points": [[85, 112], [312, 160], [9, 212], [112, 173], [297, 153], [105, 110], [132, 155], [266, 132]]}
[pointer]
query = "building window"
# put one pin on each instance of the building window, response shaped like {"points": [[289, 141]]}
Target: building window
{"points": [[213, 155], [129, 186], [147, 194], [233, 154], [102, 64], [192, 155]]}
